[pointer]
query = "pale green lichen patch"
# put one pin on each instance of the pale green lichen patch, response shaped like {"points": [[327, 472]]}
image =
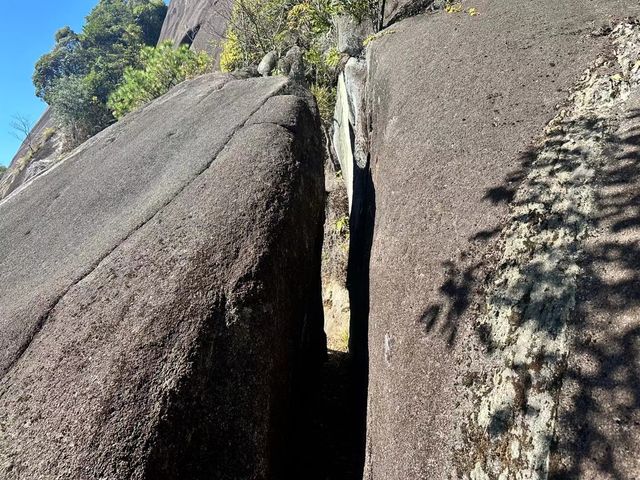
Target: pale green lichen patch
{"points": [[534, 288]]}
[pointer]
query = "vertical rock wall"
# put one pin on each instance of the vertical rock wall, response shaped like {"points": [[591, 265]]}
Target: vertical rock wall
{"points": [[456, 107]]}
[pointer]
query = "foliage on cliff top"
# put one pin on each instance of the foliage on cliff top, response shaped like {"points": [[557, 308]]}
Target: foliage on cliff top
{"points": [[258, 27], [161, 68], [83, 69]]}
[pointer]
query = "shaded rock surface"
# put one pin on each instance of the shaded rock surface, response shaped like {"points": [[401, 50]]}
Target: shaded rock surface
{"points": [[395, 10], [161, 291], [455, 101], [199, 23], [352, 34]]}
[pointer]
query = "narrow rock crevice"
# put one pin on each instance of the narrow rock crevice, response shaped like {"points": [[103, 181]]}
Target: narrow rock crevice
{"points": [[335, 438]]}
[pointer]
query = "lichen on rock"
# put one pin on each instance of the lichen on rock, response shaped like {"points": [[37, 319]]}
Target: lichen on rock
{"points": [[533, 290]]}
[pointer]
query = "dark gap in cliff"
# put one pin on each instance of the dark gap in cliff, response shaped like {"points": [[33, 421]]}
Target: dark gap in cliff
{"points": [[331, 419], [410, 10], [362, 223], [190, 36]]}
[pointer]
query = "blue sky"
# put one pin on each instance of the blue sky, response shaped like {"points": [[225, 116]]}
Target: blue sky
{"points": [[26, 32]]}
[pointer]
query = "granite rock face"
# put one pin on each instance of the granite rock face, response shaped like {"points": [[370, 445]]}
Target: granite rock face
{"points": [[458, 128], [199, 23], [161, 291]]}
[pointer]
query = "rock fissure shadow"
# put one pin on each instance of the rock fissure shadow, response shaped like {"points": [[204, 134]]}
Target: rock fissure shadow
{"points": [[362, 224], [332, 423]]}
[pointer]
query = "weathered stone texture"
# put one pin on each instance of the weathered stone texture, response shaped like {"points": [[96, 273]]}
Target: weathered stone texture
{"points": [[454, 103], [161, 291]]}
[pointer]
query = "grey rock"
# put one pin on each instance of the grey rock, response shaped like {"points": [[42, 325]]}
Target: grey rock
{"points": [[350, 133], [292, 65], [342, 138], [449, 127], [38, 168], [351, 34], [201, 24], [267, 64], [158, 287], [246, 72]]}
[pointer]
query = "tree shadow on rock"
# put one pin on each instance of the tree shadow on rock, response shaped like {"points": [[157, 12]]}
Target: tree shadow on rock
{"points": [[599, 420], [457, 293]]}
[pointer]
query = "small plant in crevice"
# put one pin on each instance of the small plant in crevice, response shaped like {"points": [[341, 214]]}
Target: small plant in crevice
{"points": [[326, 99], [375, 36], [341, 226], [453, 7], [344, 339], [457, 7]]}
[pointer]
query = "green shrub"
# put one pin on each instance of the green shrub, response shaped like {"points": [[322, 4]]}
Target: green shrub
{"points": [[78, 112], [161, 68], [256, 27], [326, 99], [260, 26], [2, 170], [231, 57], [48, 133], [94, 61], [359, 10]]}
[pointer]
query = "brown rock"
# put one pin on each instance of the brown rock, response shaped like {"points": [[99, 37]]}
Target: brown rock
{"points": [[454, 100], [161, 291]]}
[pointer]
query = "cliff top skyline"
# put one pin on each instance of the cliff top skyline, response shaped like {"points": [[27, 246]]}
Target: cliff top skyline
{"points": [[17, 95]]}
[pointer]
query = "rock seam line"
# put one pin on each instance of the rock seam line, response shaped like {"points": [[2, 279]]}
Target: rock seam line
{"points": [[45, 316]]}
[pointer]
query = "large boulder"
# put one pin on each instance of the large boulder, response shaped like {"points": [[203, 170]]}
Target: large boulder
{"points": [[481, 207], [201, 24], [160, 291]]}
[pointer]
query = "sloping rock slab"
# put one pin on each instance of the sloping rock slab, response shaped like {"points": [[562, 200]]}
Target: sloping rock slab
{"points": [[199, 23], [158, 288], [455, 101]]}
